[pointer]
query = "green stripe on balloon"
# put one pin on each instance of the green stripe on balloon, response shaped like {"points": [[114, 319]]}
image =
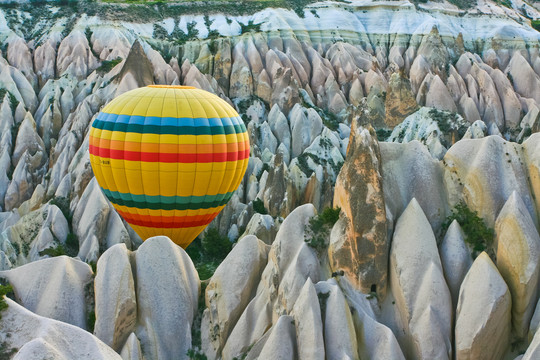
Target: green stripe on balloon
{"points": [[160, 202]]}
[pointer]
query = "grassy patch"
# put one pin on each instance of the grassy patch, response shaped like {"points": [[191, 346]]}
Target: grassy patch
{"points": [[319, 228], [53, 251], [91, 321], [258, 206], [4, 290], [477, 235], [208, 252], [7, 353], [249, 27], [13, 102], [383, 134], [108, 65]]}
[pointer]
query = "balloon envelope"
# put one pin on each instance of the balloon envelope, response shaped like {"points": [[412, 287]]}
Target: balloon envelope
{"points": [[168, 158]]}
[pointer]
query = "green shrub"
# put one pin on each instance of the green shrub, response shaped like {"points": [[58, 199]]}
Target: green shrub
{"points": [[196, 354], [215, 245], [258, 206], [55, 251], [249, 27], [535, 24], [208, 252], [383, 134], [72, 245], [319, 228], [264, 168], [7, 353], [91, 321], [477, 235], [4, 290], [108, 65]]}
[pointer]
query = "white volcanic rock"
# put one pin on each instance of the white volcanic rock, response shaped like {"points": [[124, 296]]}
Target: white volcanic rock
{"points": [[468, 109], [306, 125], [532, 118], [533, 351], [167, 291], [518, 259], [35, 337], [417, 281], [531, 151], [5, 165], [280, 126], [456, 85], [132, 349], [290, 262], [74, 56], [90, 221], [356, 93], [44, 61], [525, 80], [23, 181], [116, 231], [18, 55], [308, 322], [53, 288], [339, 334], [419, 70], [509, 100], [163, 73], [471, 167], [409, 171], [115, 301], [421, 127], [477, 130], [455, 258], [27, 140], [483, 314], [241, 79], [267, 138], [375, 340], [230, 290], [110, 42], [281, 342], [263, 227], [6, 116], [16, 83], [535, 322], [489, 103], [438, 96]]}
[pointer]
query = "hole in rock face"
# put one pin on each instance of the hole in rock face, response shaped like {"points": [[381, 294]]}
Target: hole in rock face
{"points": [[373, 288]]}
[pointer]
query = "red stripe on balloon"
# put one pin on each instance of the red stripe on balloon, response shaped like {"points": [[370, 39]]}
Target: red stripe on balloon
{"points": [[168, 157], [168, 222]]}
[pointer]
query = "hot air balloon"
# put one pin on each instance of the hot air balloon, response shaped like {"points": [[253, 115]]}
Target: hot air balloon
{"points": [[168, 158]]}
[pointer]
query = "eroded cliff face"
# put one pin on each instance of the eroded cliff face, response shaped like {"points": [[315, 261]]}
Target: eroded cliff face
{"points": [[394, 112]]}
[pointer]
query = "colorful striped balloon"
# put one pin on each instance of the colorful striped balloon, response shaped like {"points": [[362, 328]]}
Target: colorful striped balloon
{"points": [[169, 158]]}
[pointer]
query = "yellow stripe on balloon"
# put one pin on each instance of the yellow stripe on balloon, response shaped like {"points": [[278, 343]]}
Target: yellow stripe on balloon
{"points": [[178, 213], [170, 139]]}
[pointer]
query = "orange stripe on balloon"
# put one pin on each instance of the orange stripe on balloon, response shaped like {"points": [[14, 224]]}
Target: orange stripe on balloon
{"points": [[169, 222], [166, 148], [162, 147]]}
